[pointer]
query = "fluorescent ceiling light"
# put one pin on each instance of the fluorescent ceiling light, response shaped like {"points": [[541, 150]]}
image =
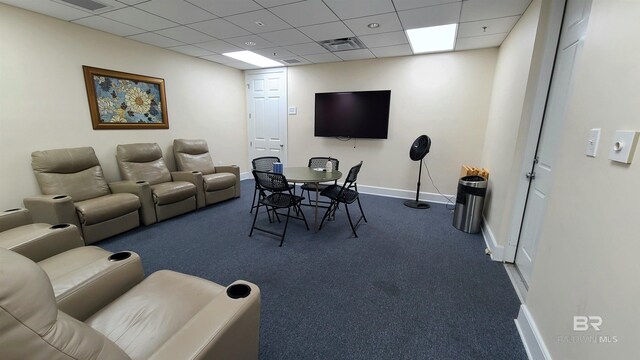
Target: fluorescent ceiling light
{"points": [[432, 39], [252, 58]]}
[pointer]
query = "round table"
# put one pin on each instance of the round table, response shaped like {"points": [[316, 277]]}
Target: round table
{"points": [[305, 174]]}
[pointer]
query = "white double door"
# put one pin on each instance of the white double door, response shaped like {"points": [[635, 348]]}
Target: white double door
{"points": [[267, 113]]}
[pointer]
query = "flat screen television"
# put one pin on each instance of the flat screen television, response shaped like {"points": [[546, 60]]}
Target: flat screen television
{"points": [[356, 114]]}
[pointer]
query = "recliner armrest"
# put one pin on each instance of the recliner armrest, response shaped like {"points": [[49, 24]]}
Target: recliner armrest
{"points": [[225, 329], [234, 169], [194, 177], [12, 218], [52, 209], [142, 189], [40, 241]]}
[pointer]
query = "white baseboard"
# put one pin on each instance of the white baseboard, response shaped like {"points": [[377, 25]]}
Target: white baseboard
{"points": [[405, 194], [497, 251], [531, 338], [246, 176]]}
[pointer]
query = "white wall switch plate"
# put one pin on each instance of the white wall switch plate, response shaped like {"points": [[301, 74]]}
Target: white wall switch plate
{"points": [[624, 146], [293, 110], [592, 142]]}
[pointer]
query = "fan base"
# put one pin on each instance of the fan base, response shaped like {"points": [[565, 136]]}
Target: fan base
{"points": [[416, 204]]}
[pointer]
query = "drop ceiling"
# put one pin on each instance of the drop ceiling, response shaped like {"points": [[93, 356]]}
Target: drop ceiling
{"points": [[287, 31]]}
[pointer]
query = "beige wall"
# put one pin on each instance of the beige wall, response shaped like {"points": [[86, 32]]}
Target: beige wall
{"points": [[445, 96], [506, 119], [587, 259], [43, 101]]}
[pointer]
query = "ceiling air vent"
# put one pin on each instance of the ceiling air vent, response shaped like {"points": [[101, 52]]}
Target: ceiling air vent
{"points": [[292, 61], [89, 5], [343, 44]]}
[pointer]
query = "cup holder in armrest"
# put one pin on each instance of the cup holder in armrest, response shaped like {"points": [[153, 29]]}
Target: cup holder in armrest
{"points": [[238, 291], [141, 182], [11, 210], [119, 256], [58, 197], [59, 226]]}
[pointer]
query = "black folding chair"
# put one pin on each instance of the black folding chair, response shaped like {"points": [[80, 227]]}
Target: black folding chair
{"points": [[264, 163], [345, 194], [318, 162], [280, 197]]}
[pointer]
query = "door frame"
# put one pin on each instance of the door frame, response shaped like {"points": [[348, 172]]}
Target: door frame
{"points": [[285, 132], [540, 90]]}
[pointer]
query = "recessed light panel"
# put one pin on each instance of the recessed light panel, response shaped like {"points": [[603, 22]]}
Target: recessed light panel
{"points": [[433, 38], [252, 58]]}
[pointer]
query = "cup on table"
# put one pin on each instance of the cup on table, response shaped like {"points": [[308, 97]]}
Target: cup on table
{"points": [[278, 168]]}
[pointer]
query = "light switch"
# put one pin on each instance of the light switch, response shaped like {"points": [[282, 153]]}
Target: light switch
{"points": [[624, 146], [592, 142], [293, 110]]}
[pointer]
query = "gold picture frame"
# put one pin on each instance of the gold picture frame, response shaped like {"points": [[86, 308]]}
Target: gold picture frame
{"points": [[119, 100]]}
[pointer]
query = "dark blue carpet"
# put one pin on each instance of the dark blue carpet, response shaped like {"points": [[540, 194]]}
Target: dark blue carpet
{"points": [[410, 287]]}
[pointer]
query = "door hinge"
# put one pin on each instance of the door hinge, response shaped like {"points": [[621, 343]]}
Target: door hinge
{"points": [[249, 115], [249, 86], [250, 143], [531, 175], [536, 160]]}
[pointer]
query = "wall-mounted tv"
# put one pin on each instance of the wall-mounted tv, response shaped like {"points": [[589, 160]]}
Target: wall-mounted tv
{"points": [[356, 114]]}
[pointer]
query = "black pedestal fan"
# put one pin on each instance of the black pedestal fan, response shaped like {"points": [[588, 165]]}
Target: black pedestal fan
{"points": [[419, 149]]}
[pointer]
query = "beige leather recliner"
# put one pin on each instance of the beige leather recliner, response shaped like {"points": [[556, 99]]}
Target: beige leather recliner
{"points": [[36, 241], [170, 193], [84, 278], [75, 192], [167, 316], [215, 183]]}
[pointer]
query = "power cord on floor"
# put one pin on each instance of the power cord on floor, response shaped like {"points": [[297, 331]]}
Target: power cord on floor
{"points": [[449, 202]]}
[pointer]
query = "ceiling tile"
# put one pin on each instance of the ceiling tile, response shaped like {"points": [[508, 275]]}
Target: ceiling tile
{"points": [[305, 13], [355, 54], [306, 49], [430, 16], [219, 46], [386, 39], [271, 3], [241, 41], [155, 39], [191, 50], [138, 18], [413, 4], [50, 8], [359, 8], [108, 25], [286, 37], [334, 30], [280, 53], [322, 58], [395, 50], [226, 7], [179, 11], [219, 28], [221, 59], [132, 2], [185, 34], [478, 42], [388, 22], [248, 21], [493, 26], [490, 9]]}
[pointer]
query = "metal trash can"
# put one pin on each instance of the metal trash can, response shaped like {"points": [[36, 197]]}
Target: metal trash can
{"points": [[467, 216]]}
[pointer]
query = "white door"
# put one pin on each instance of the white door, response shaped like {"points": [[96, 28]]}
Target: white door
{"points": [[267, 113], [571, 40]]}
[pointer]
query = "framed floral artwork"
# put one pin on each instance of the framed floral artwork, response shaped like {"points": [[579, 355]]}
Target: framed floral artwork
{"points": [[119, 100]]}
